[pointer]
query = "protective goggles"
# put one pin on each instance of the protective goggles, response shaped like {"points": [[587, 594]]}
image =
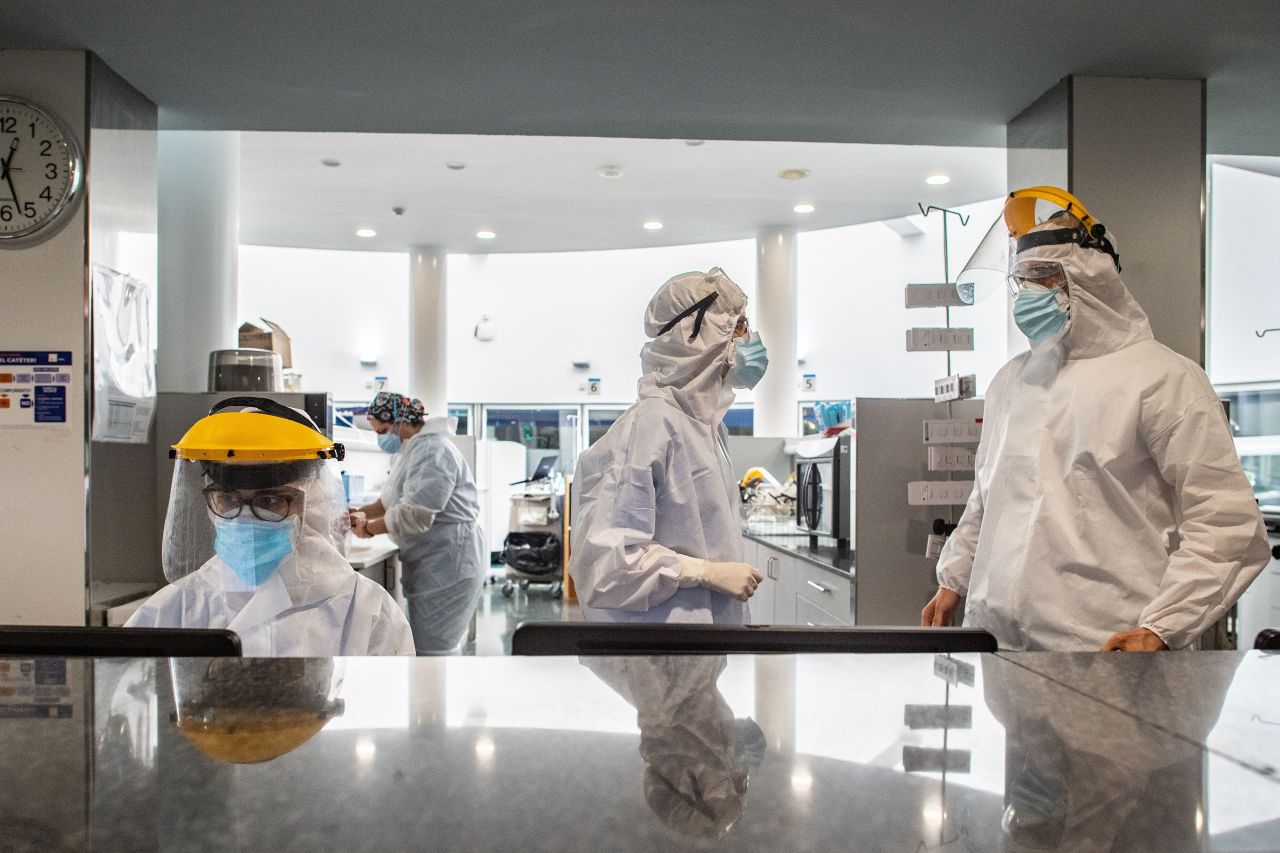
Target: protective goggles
{"points": [[1040, 273], [274, 505]]}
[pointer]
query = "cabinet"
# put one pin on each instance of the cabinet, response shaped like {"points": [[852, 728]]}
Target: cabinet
{"points": [[797, 592]]}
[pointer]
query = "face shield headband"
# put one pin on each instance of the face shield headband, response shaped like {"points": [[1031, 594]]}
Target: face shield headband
{"points": [[1088, 238]]}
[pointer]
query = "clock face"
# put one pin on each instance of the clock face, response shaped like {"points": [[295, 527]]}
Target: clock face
{"points": [[40, 169]]}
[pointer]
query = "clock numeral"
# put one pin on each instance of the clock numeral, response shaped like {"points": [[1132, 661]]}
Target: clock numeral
{"points": [[28, 210], [46, 194], [51, 171], [46, 148], [8, 124], [6, 213], [32, 125]]}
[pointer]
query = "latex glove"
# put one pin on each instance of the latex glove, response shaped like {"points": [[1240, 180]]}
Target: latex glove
{"points": [[360, 525], [1137, 640], [940, 612], [736, 580]]}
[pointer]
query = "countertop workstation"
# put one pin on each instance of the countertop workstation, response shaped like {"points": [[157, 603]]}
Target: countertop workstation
{"points": [[897, 752]]}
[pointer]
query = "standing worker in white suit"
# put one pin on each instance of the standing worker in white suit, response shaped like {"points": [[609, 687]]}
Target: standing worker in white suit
{"points": [[431, 508], [656, 533], [1109, 509]]}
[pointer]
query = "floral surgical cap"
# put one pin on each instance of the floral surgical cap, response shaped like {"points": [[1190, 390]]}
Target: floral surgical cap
{"points": [[397, 409]]}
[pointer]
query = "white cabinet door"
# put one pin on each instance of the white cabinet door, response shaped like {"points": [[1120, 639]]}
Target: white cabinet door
{"points": [[784, 591], [762, 603]]}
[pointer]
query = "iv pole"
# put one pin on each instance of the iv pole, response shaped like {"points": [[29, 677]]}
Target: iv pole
{"points": [[946, 276]]}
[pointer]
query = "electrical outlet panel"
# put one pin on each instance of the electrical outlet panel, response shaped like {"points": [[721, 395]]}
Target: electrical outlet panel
{"points": [[955, 388], [948, 458], [933, 546], [939, 492], [939, 295], [958, 431], [939, 340]]}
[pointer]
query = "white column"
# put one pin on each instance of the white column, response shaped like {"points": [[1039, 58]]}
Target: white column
{"points": [[198, 248], [428, 334], [777, 296]]}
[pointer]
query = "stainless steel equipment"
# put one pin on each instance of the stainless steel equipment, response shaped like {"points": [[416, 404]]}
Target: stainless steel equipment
{"points": [[245, 370], [823, 505]]}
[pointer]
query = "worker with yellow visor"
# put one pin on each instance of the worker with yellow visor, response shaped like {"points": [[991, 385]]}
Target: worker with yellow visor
{"points": [[251, 541], [1109, 509]]}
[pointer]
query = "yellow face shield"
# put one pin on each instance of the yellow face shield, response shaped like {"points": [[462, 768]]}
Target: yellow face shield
{"points": [[1032, 217]]}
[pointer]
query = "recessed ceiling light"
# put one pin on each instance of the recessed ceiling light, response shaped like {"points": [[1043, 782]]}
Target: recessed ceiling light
{"points": [[794, 174], [366, 232], [330, 162], [653, 225], [609, 171], [694, 143], [455, 165], [937, 180], [485, 235], [803, 208]]}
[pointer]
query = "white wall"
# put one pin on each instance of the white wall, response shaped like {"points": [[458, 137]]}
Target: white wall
{"points": [[1243, 292], [550, 309], [42, 565], [853, 318], [338, 307]]}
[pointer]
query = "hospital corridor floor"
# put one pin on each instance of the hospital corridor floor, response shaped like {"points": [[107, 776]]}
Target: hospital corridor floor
{"points": [[498, 615]]}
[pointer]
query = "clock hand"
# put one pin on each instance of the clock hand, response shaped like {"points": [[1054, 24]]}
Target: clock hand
{"points": [[8, 178]]}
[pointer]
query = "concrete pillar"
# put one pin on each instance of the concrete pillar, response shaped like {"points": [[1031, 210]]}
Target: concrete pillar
{"points": [[428, 333], [1133, 151], [199, 246], [774, 316]]}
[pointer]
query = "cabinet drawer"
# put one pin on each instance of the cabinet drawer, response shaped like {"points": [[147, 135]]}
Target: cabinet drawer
{"points": [[808, 613], [829, 591]]}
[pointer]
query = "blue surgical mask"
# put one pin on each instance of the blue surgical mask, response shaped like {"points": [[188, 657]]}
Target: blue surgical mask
{"points": [[1040, 312], [253, 548], [389, 442], [750, 361]]}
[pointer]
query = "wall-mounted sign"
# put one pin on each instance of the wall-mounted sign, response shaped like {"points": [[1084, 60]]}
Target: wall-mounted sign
{"points": [[34, 387]]}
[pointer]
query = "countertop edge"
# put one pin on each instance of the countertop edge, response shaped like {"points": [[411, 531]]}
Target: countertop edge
{"points": [[771, 541]]}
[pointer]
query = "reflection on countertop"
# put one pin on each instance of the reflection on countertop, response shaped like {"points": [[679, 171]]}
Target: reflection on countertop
{"points": [[796, 753]]}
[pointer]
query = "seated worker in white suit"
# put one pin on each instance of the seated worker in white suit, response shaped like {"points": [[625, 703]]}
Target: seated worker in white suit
{"points": [[251, 542]]}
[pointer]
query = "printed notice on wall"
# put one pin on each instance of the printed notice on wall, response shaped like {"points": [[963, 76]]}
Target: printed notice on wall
{"points": [[35, 689], [34, 388]]}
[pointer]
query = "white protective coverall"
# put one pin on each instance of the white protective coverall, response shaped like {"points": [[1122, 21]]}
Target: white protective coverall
{"points": [[1108, 492], [658, 488], [313, 605], [433, 513]]}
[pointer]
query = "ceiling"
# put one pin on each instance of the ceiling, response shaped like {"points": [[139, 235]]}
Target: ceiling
{"points": [[906, 72], [545, 193]]}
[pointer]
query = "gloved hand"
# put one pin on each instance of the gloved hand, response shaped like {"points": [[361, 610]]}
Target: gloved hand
{"points": [[736, 580], [360, 525]]}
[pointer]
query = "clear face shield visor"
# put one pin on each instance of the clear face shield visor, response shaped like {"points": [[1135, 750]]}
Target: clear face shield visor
{"points": [[991, 268], [205, 494]]}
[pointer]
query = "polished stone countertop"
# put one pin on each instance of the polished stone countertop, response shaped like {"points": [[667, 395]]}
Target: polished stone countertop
{"points": [[778, 753]]}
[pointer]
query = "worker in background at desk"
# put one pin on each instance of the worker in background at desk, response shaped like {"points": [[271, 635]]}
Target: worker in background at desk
{"points": [[1109, 510], [430, 507], [656, 533], [251, 541]]}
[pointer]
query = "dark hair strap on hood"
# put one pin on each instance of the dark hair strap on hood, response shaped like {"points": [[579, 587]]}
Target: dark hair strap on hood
{"points": [[700, 308]]}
